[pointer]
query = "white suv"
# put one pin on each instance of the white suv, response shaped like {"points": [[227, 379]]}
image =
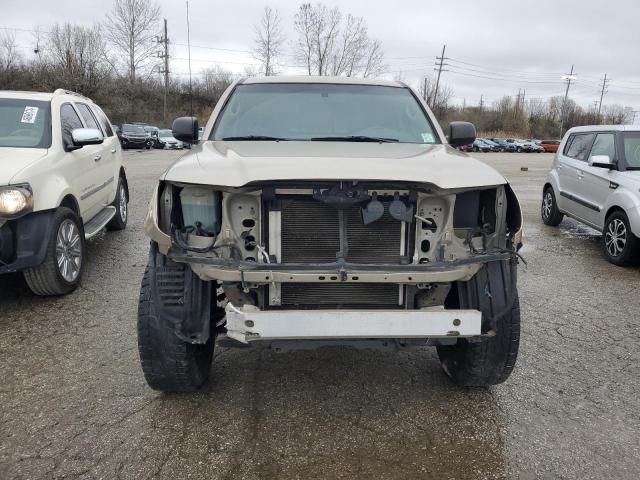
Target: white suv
{"points": [[61, 182], [596, 180]]}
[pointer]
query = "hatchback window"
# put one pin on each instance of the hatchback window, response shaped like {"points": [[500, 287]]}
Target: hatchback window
{"points": [[70, 121], [87, 116], [605, 144], [329, 112], [631, 142], [25, 123], [580, 146]]}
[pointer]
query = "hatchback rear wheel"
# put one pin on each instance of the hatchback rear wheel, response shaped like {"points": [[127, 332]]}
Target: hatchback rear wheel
{"points": [[621, 246]]}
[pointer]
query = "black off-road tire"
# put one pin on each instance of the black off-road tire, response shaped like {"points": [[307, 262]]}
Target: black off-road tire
{"points": [[630, 254], [169, 364], [491, 360], [549, 208], [46, 279], [119, 220]]}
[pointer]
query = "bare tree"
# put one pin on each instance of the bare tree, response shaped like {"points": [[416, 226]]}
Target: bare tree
{"points": [[131, 28], [373, 65], [269, 39], [303, 25], [328, 46], [351, 47], [73, 57], [317, 28], [9, 55]]}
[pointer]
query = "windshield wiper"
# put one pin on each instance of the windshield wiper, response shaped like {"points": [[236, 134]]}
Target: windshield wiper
{"points": [[355, 138], [255, 137]]}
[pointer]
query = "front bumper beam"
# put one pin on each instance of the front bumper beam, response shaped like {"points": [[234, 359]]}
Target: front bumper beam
{"points": [[224, 270], [251, 324]]}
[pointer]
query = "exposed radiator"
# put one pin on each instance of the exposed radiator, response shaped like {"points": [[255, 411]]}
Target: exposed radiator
{"points": [[310, 233], [340, 295]]}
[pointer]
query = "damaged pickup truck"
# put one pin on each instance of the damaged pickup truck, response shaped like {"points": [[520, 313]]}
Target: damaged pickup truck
{"points": [[329, 210]]}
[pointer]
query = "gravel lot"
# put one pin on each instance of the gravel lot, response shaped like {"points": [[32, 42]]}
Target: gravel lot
{"points": [[73, 402]]}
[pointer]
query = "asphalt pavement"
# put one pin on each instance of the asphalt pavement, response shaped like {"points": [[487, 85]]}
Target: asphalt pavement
{"points": [[74, 404]]}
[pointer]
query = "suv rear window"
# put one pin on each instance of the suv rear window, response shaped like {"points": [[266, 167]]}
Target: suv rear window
{"points": [[25, 123], [579, 145]]}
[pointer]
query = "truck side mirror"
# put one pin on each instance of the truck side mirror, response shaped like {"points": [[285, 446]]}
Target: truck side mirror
{"points": [[185, 129], [461, 133]]}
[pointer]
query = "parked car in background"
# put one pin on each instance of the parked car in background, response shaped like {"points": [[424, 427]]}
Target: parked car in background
{"points": [[133, 135], [504, 145], [466, 148], [492, 145], [153, 136], [520, 145], [61, 182], [550, 146], [480, 146], [595, 178], [535, 148], [165, 137]]}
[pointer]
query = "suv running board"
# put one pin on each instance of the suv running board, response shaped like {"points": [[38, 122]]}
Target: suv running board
{"points": [[97, 223]]}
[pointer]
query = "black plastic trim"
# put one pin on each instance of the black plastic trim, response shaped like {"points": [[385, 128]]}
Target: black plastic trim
{"points": [[30, 239]]}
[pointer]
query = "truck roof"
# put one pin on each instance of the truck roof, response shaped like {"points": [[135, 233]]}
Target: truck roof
{"points": [[322, 79]]}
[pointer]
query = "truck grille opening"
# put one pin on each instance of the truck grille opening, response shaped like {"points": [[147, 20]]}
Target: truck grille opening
{"points": [[340, 295], [310, 233]]}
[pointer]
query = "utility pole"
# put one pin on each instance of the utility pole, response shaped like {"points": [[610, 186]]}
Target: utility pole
{"points": [[604, 86], [464, 103], [481, 103], [517, 104], [568, 78], [165, 41], [424, 92], [439, 63]]}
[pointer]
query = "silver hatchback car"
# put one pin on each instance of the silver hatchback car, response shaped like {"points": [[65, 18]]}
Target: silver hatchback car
{"points": [[595, 179]]}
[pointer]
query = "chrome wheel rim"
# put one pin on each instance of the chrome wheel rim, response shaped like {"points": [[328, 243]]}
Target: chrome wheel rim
{"points": [[616, 237], [69, 250], [122, 206], [547, 205]]}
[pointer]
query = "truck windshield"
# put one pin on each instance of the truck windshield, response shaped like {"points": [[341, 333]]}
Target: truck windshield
{"points": [[632, 150], [324, 112], [25, 123]]}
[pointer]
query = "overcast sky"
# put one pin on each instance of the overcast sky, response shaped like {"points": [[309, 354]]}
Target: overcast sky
{"points": [[524, 44]]}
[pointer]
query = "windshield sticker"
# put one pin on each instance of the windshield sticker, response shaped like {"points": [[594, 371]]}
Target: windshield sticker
{"points": [[427, 137], [29, 115]]}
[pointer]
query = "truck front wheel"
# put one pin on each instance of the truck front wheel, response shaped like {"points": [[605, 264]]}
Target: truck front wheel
{"points": [[491, 360], [169, 364]]}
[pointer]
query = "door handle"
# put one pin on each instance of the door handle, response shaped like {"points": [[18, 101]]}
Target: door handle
{"points": [[580, 175], [97, 158], [113, 150]]}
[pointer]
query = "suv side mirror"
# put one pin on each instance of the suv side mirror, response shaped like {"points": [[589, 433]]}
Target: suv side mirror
{"points": [[86, 136], [601, 161], [461, 133], [185, 129]]}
